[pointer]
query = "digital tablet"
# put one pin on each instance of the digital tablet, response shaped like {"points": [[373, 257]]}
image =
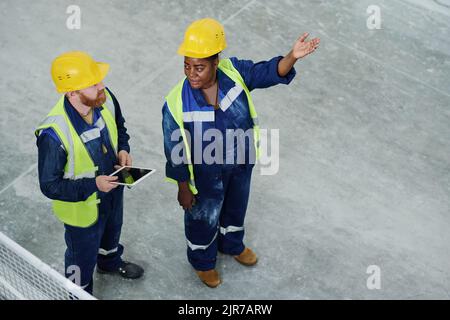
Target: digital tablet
{"points": [[131, 176]]}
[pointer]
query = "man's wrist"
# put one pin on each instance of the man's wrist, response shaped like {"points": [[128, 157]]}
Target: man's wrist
{"points": [[93, 184], [123, 148]]}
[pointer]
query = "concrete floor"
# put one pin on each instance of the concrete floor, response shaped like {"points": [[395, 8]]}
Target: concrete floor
{"points": [[364, 173]]}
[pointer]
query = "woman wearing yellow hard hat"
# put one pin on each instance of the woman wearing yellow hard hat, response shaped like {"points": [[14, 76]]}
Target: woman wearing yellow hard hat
{"points": [[211, 141]]}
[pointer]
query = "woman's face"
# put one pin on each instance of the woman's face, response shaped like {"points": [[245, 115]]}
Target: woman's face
{"points": [[200, 72]]}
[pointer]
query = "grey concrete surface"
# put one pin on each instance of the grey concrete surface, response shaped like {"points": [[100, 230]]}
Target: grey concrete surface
{"points": [[364, 175]]}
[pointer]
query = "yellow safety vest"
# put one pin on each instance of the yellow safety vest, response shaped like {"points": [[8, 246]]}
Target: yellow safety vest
{"points": [[79, 162], [175, 104]]}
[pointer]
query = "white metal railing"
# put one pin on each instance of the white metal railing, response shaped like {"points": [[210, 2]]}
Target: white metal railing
{"points": [[25, 277]]}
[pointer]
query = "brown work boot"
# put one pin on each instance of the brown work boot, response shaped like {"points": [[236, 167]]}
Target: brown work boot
{"points": [[210, 278], [247, 257]]}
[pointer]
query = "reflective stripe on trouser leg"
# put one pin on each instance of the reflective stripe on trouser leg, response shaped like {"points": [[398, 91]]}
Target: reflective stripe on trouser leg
{"points": [[224, 231], [202, 257], [110, 251], [201, 229], [106, 252], [231, 240], [110, 260], [232, 216], [194, 247]]}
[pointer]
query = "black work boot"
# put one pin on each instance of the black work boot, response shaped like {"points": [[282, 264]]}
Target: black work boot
{"points": [[127, 270]]}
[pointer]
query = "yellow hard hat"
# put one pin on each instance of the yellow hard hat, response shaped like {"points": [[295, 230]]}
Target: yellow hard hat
{"points": [[203, 38], [76, 70]]}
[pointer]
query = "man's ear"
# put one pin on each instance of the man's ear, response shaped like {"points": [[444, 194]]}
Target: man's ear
{"points": [[71, 94]]}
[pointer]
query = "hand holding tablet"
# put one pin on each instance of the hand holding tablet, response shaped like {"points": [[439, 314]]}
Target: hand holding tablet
{"points": [[131, 176]]}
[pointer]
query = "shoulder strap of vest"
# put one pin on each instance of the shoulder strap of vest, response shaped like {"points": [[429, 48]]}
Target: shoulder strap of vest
{"points": [[56, 120], [56, 115], [175, 104], [227, 67]]}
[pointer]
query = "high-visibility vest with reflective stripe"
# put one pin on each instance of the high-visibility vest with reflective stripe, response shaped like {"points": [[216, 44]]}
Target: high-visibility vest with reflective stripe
{"points": [[79, 162], [175, 104]]}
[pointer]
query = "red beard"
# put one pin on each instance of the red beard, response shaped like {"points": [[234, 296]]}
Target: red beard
{"points": [[93, 103]]}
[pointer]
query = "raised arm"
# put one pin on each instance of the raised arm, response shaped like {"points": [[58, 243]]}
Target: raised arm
{"points": [[301, 48]]}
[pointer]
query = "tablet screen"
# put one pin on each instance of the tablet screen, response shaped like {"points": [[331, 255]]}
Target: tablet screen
{"points": [[130, 175]]}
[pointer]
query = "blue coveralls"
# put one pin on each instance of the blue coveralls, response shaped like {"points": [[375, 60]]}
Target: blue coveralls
{"points": [[216, 221], [99, 243]]}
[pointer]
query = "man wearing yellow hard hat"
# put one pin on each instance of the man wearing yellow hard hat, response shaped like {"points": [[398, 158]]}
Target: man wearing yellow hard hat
{"points": [[80, 142], [214, 101]]}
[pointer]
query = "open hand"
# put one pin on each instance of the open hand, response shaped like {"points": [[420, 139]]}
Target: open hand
{"points": [[302, 47]]}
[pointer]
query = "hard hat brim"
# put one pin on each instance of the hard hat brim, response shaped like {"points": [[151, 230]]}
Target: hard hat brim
{"points": [[104, 68], [199, 55], [183, 52]]}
